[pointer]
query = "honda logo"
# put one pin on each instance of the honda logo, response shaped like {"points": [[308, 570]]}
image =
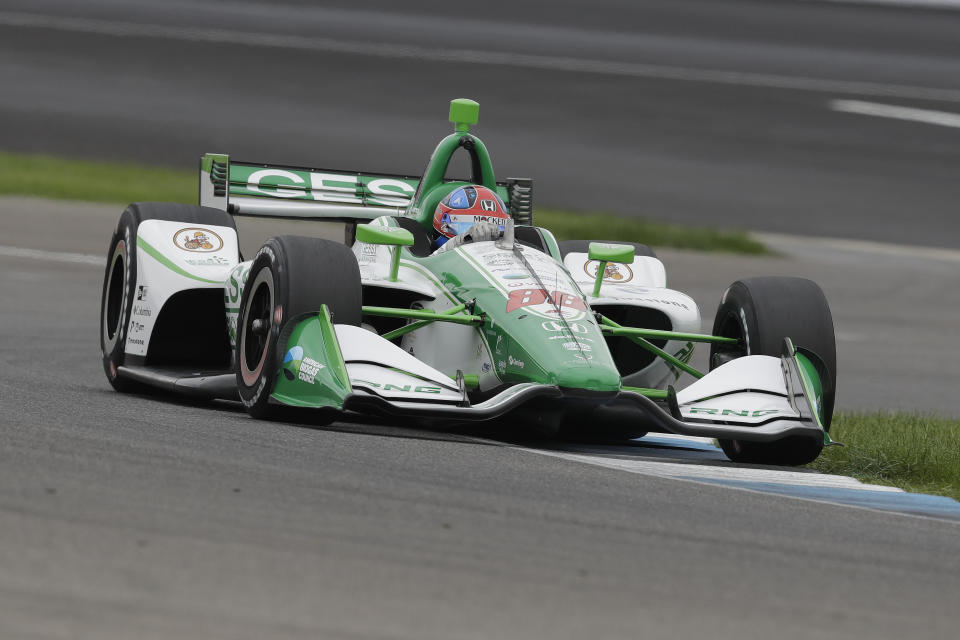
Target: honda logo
{"points": [[488, 205]]}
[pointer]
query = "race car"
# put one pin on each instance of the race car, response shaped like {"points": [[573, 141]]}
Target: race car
{"points": [[447, 304]]}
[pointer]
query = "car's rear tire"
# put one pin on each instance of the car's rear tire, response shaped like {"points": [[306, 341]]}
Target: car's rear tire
{"points": [[583, 246], [290, 275], [761, 312], [120, 276]]}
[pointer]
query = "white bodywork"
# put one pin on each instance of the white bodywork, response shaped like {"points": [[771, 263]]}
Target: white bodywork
{"points": [[165, 266], [750, 390]]}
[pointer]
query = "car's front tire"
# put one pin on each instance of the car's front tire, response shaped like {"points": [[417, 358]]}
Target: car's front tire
{"points": [[760, 313], [290, 275]]}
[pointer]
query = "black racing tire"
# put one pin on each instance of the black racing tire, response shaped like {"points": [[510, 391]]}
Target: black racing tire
{"points": [[583, 246], [290, 275], [761, 312], [120, 275]]}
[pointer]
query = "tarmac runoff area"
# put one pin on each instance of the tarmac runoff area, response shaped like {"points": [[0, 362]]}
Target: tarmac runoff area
{"points": [[873, 289]]}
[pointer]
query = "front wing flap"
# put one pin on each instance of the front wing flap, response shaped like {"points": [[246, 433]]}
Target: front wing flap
{"points": [[757, 398]]}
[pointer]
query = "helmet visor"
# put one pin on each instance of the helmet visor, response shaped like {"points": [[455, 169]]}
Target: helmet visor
{"points": [[453, 225]]}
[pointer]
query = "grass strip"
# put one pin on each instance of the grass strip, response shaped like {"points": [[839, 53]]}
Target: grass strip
{"points": [[568, 225], [916, 452], [111, 182]]}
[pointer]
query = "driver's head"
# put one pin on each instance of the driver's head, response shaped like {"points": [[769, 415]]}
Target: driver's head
{"points": [[465, 207]]}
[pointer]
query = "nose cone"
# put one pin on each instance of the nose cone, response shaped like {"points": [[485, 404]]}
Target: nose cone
{"points": [[538, 326], [571, 354]]}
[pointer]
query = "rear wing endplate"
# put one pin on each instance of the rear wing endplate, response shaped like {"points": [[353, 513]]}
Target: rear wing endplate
{"points": [[248, 189]]}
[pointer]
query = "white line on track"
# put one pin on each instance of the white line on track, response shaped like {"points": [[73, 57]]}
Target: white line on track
{"points": [[468, 56], [839, 491], [796, 244], [926, 116], [52, 256], [910, 4], [712, 472]]}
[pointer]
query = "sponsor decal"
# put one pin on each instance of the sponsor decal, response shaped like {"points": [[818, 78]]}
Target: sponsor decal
{"points": [[501, 366], [554, 326], [267, 251], [298, 366], [212, 261], [683, 355], [136, 327], [393, 387], [256, 394], [515, 363], [534, 297], [368, 253], [488, 205], [613, 273], [234, 284], [670, 303], [485, 367], [142, 311], [576, 346], [330, 187], [742, 413], [142, 292], [309, 369], [197, 239], [501, 259], [137, 341], [635, 289], [515, 276], [499, 341]]}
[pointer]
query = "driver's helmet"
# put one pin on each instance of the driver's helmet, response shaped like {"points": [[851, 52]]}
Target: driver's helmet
{"points": [[465, 207]]}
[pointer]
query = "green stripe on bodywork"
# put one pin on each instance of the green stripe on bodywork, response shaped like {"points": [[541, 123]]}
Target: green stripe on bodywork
{"points": [[165, 261], [811, 385], [553, 249], [656, 394]]}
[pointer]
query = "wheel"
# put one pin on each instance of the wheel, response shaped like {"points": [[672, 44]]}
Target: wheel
{"points": [[290, 275], [761, 312], [120, 276], [583, 246]]}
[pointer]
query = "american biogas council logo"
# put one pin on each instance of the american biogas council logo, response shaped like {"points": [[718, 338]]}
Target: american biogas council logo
{"points": [[296, 365], [198, 239]]}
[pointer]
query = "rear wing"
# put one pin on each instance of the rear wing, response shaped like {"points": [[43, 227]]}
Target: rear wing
{"points": [[249, 189]]}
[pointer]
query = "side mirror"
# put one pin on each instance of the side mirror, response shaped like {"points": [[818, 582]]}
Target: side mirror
{"points": [[606, 253], [393, 237]]}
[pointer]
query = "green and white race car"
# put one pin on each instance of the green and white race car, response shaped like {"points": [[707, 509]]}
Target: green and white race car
{"points": [[574, 336]]}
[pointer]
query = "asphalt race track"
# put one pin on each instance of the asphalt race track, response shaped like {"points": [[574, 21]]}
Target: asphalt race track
{"points": [[701, 111], [146, 516], [153, 517]]}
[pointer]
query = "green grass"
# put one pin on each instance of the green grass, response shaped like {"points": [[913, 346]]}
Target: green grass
{"points": [[914, 452], [94, 181], [567, 225], [68, 179]]}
